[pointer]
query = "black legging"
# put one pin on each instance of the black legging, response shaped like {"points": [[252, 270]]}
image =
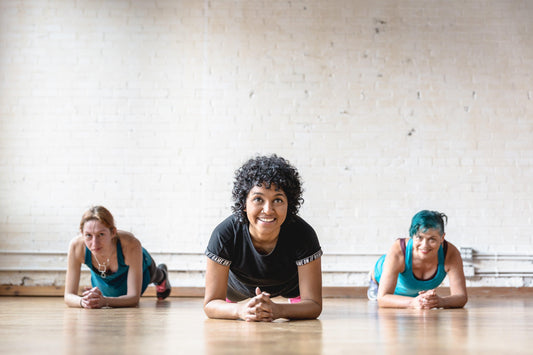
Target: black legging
{"points": [[157, 275]]}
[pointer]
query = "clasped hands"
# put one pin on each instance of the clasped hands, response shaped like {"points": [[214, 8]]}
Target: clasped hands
{"points": [[258, 309], [93, 298], [426, 300]]}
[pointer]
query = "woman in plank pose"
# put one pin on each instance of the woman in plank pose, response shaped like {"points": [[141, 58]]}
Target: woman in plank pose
{"points": [[406, 277], [121, 268], [264, 249]]}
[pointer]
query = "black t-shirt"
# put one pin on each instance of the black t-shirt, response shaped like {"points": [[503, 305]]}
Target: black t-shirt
{"points": [[275, 273]]}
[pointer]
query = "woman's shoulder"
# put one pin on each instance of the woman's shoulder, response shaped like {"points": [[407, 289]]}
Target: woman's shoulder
{"points": [[451, 245], [127, 239], [131, 246], [395, 256], [226, 235], [452, 254], [229, 226], [77, 247], [398, 242], [77, 240], [296, 234], [297, 223], [397, 249]]}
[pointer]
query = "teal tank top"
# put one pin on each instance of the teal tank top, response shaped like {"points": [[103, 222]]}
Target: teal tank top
{"points": [[116, 284], [408, 284]]}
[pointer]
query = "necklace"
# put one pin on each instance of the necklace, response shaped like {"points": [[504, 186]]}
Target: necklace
{"points": [[102, 268]]}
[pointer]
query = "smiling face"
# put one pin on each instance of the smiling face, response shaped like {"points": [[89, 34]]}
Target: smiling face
{"points": [[426, 243], [98, 238], [266, 210]]}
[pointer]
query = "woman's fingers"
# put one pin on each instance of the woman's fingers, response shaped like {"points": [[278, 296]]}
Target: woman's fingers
{"points": [[259, 308], [91, 298]]}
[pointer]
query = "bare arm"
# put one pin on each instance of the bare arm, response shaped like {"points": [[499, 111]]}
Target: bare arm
{"points": [[72, 279], [310, 306], [216, 284], [394, 264], [454, 267]]}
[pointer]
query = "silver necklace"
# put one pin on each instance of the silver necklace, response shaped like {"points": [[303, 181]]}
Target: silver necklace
{"points": [[102, 268]]}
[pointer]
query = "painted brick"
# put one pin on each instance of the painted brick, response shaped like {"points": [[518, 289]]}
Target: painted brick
{"points": [[149, 107]]}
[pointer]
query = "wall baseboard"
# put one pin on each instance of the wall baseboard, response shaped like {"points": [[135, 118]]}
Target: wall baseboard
{"points": [[41, 268], [328, 292]]}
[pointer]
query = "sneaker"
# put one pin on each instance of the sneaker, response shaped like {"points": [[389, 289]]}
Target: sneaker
{"points": [[163, 289], [372, 292]]}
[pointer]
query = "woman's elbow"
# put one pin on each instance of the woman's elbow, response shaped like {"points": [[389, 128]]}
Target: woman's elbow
{"points": [[463, 301], [132, 302], [317, 313], [209, 311], [381, 302], [136, 301], [67, 298]]}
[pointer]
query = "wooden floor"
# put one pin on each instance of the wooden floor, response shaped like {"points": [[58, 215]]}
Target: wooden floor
{"points": [[40, 325]]}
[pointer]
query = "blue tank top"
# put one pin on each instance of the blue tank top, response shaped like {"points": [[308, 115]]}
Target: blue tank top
{"points": [[408, 284], [116, 284]]}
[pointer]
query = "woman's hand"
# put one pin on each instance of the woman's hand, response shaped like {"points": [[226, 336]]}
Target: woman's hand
{"points": [[426, 300], [258, 309], [93, 298]]}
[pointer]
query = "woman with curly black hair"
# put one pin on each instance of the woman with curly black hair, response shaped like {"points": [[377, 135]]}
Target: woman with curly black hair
{"points": [[264, 249]]}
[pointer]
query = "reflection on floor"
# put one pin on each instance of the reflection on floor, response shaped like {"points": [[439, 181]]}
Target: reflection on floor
{"points": [[179, 326]]}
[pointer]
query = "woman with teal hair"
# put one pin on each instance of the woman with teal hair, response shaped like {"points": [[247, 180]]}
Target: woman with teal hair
{"points": [[406, 277]]}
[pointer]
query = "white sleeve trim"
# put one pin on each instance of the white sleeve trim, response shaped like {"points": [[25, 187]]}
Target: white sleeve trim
{"points": [[217, 259], [307, 260]]}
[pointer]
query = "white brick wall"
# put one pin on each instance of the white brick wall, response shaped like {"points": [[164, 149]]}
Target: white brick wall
{"points": [[148, 107]]}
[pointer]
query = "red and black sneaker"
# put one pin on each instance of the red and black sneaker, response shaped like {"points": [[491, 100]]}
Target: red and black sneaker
{"points": [[163, 288]]}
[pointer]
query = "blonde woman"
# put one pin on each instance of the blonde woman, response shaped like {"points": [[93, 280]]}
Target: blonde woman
{"points": [[121, 268]]}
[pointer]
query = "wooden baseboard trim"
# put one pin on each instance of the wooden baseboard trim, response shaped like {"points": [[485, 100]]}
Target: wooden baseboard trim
{"points": [[327, 292]]}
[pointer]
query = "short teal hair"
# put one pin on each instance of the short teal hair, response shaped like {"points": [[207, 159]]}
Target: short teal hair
{"points": [[425, 220]]}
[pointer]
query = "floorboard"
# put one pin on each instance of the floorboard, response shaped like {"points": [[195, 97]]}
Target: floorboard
{"points": [[500, 325]]}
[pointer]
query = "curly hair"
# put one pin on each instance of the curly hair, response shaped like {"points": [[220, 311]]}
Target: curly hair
{"points": [[266, 171]]}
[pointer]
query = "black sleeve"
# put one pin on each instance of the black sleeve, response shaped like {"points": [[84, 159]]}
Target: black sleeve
{"points": [[222, 242], [308, 247]]}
